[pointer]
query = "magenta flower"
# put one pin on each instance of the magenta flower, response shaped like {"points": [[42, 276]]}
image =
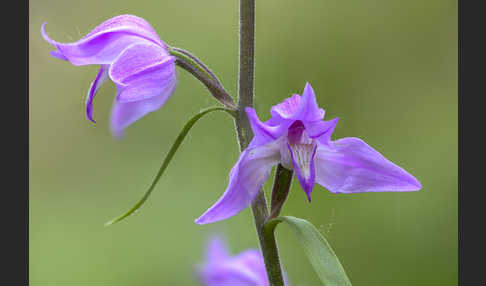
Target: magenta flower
{"points": [[244, 269], [133, 57], [297, 137]]}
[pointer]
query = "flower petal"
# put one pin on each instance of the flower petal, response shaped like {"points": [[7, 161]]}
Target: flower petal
{"points": [[246, 178], [126, 113], [303, 162], [131, 23], [349, 165], [287, 108], [308, 109], [263, 133], [245, 269], [251, 262], [322, 130], [142, 70], [103, 44], [216, 251], [101, 78], [298, 107]]}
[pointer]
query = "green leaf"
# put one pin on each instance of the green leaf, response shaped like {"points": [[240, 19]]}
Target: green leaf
{"points": [[167, 160], [318, 251]]}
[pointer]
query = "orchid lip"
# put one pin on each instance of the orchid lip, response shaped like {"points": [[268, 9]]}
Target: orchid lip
{"points": [[303, 156]]}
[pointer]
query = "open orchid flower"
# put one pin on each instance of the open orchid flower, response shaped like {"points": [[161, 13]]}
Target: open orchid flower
{"points": [[297, 137], [221, 269], [133, 57]]}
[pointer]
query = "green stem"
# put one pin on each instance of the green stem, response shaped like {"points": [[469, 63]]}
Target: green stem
{"points": [[205, 77], [245, 99], [178, 52]]}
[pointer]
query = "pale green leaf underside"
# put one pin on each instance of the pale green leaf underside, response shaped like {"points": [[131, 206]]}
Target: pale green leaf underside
{"points": [[318, 251], [167, 160]]}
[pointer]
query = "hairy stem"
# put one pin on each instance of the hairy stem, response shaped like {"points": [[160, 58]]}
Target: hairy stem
{"points": [[245, 99], [178, 51], [214, 88]]}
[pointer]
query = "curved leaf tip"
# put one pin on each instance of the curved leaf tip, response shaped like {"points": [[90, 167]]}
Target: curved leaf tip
{"points": [[168, 158]]}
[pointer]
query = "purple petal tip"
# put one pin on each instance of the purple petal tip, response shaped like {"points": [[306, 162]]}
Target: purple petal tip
{"points": [[201, 220], [89, 114], [118, 134], [418, 185], [308, 190], [309, 197], [45, 36]]}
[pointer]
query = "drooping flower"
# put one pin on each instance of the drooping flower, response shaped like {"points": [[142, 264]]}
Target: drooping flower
{"points": [[130, 54], [221, 269], [297, 137]]}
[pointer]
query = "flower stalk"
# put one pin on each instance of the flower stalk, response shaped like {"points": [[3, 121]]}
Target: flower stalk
{"points": [[178, 52], [245, 99], [203, 74]]}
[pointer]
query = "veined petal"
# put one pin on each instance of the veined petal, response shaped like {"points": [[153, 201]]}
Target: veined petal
{"points": [[349, 165], [303, 162], [145, 88], [287, 108], [101, 78], [131, 23], [125, 113], [140, 60], [105, 42], [142, 71], [246, 178]]}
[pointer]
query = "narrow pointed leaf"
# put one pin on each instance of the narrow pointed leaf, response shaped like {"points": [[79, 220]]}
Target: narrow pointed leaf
{"points": [[318, 251], [167, 160]]}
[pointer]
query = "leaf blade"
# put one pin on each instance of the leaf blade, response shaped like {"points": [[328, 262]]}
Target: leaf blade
{"points": [[168, 158], [317, 249]]}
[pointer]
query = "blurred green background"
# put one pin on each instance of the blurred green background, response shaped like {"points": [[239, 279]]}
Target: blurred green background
{"points": [[387, 69]]}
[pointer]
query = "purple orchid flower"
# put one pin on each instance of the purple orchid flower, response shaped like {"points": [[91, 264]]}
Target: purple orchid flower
{"points": [[297, 137], [133, 57], [244, 269]]}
